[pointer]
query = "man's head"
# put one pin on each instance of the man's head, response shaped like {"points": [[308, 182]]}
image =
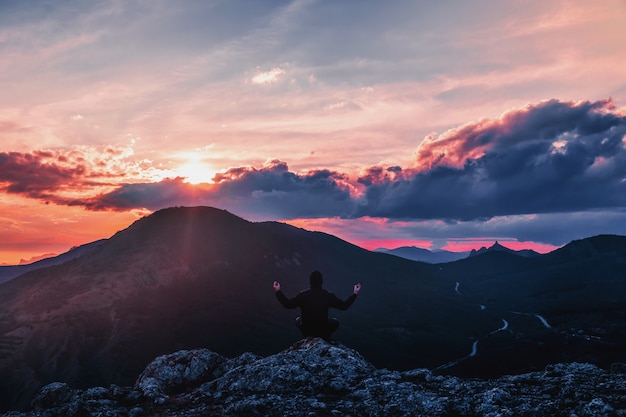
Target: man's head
{"points": [[316, 279]]}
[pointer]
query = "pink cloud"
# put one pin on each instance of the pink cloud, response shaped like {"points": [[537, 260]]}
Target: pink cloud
{"points": [[534, 121]]}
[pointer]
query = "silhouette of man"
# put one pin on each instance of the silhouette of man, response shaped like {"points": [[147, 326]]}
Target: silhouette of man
{"points": [[314, 304]]}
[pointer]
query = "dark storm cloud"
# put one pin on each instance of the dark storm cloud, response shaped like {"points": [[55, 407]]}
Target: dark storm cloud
{"points": [[378, 174], [548, 158], [272, 191], [277, 192], [169, 192]]}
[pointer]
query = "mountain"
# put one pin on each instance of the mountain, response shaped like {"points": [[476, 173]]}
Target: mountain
{"points": [[442, 256], [567, 305], [8, 272], [199, 277], [314, 377], [496, 247], [424, 255], [189, 277]]}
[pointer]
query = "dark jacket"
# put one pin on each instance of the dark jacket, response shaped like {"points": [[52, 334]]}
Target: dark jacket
{"points": [[314, 304]]}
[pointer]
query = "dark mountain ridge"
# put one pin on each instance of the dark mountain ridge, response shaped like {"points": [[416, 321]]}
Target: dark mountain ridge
{"points": [[193, 277], [424, 255], [497, 247]]}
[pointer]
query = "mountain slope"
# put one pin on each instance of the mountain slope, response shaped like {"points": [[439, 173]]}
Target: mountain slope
{"points": [[8, 272], [189, 277]]}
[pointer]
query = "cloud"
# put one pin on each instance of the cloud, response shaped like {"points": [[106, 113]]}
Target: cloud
{"points": [[168, 192], [552, 229], [545, 158], [270, 192], [378, 174], [279, 193], [108, 180], [268, 77], [550, 157], [35, 174], [60, 176]]}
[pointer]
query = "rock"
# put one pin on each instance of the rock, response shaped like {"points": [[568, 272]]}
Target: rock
{"points": [[169, 374], [52, 395], [97, 393], [318, 378], [310, 366]]}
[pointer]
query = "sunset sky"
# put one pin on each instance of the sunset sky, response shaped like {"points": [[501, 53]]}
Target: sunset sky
{"points": [[443, 124]]}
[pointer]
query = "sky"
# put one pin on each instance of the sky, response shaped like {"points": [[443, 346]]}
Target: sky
{"points": [[445, 124]]}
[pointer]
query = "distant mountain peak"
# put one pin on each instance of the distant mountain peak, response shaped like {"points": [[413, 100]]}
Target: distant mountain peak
{"points": [[415, 253], [36, 258], [497, 247]]}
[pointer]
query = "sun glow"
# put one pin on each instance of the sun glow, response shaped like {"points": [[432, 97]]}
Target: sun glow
{"points": [[195, 171]]}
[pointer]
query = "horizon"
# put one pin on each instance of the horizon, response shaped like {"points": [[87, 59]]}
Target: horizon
{"points": [[447, 126], [453, 246]]}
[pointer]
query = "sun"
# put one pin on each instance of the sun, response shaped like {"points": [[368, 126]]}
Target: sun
{"points": [[196, 172]]}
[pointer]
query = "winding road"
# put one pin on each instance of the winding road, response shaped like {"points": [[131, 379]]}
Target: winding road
{"points": [[504, 327], [541, 318]]}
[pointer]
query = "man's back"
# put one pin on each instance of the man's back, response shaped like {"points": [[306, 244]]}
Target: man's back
{"points": [[315, 302]]}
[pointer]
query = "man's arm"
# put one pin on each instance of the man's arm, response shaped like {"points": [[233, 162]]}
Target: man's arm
{"points": [[339, 304], [286, 302]]}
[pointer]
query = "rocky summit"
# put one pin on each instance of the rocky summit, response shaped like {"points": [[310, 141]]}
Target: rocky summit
{"points": [[318, 378]]}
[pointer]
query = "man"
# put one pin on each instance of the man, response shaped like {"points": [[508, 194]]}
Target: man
{"points": [[314, 304]]}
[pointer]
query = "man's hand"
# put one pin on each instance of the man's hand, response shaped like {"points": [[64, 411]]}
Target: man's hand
{"points": [[357, 288], [276, 286]]}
